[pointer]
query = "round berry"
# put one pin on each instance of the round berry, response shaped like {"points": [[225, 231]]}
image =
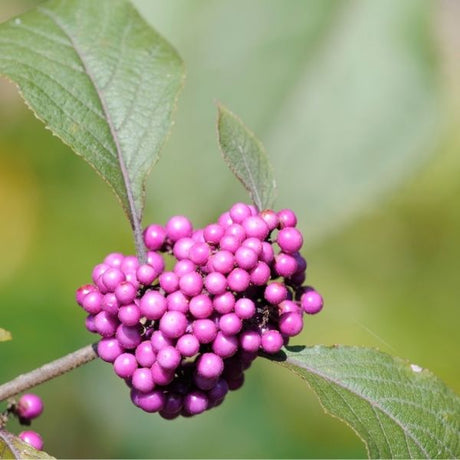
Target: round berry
{"points": [[178, 227], [109, 349], [83, 291], [162, 376], [287, 218], [90, 324], [271, 218], [215, 283], [204, 330], [289, 239], [110, 303], [285, 265], [168, 357], [115, 259], [229, 243], [98, 271], [290, 324], [154, 237], [225, 345], [199, 253], [245, 308], [128, 336], [152, 401], [256, 227], [238, 280], [250, 340], [201, 306], [169, 282], [183, 267], [142, 379], [156, 261], [92, 302], [182, 247], [224, 303], [125, 292], [129, 315], [311, 301], [260, 274], [106, 324], [173, 324], [246, 258], [222, 261], [32, 438], [112, 277], [152, 305], [275, 293], [213, 233], [191, 284], [177, 301], [29, 406], [145, 354], [195, 402], [160, 340], [239, 211], [146, 274], [188, 345], [272, 341], [125, 365], [230, 324], [210, 365]]}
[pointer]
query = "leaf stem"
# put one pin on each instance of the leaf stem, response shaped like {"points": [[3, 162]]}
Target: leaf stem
{"points": [[48, 371]]}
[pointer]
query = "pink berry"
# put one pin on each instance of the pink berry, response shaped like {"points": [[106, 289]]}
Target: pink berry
{"points": [[224, 303], [213, 233], [152, 401], [204, 330], [188, 345], [178, 227], [275, 293], [215, 283], [210, 365], [146, 274], [109, 349], [289, 239], [239, 211], [290, 324], [173, 324], [32, 438], [125, 365], [250, 340], [256, 227], [152, 305], [272, 341], [115, 259], [201, 306], [191, 284], [145, 354], [230, 324], [169, 357], [169, 282], [225, 345], [238, 280], [29, 406], [154, 237], [245, 308], [311, 301], [142, 380], [287, 218]]}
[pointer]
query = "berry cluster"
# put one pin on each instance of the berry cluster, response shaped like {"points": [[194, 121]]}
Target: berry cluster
{"points": [[28, 407], [182, 338]]}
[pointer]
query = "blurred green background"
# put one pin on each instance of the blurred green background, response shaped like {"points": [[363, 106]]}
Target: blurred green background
{"points": [[358, 105]]}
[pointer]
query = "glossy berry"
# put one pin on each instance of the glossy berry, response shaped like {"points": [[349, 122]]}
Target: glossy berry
{"points": [[29, 406], [182, 338], [32, 438]]}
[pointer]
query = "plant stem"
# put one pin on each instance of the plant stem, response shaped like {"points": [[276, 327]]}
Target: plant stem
{"points": [[48, 371]]}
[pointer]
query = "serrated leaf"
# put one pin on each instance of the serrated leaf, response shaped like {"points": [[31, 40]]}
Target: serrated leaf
{"points": [[246, 157], [398, 409], [5, 335], [14, 448], [102, 80]]}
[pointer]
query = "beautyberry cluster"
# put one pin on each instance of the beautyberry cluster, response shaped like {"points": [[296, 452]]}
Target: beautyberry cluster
{"points": [[29, 407], [182, 338]]}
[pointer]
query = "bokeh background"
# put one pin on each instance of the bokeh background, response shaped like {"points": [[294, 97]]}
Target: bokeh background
{"points": [[358, 105]]}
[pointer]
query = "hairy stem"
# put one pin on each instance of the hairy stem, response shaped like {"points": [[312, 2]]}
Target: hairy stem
{"points": [[48, 371]]}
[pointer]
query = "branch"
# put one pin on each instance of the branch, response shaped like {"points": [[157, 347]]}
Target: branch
{"points": [[48, 371]]}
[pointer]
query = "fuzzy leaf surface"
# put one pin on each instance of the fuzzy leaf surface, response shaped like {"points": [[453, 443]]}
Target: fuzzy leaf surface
{"points": [[102, 80], [246, 157], [398, 409], [14, 448]]}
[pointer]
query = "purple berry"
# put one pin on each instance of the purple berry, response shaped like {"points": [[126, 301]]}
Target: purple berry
{"points": [[288, 306], [169, 358], [109, 349], [29, 406], [250, 340], [245, 308], [238, 280], [169, 282], [152, 401], [162, 376], [289, 239], [235, 384], [285, 265], [230, 324], [213, 233], [156, 261], [83, 291], [210, 365], [229, 243], [125, 292], [115, 259], [267, 255], [201, 306], [173, 403], [195, 402], [110, 303], [173, 324], [222, 261], [237, 231], [225, 220], [204, 330], [125, 365], [256, 227], [142, 380], [112, 277], [154, 237], [191, 284], [128, 336], [188, 345], [218, 392], [275, 293], [290, 324], [178, 227], [145, 354], [32, 438], [246, 258], [146, 274], [271, 218], [215, 283], [152, 305], [98, 271], [225, 345], [92, 302], [311, 301], [182, 248], [183, 267], [159, 340], [260, 274], [287, 218], [129, 315], [177, 301], [90, 324], [199, 253], [224, 303], [106, 324], [130, 264], [239, 211], [272, 341]]}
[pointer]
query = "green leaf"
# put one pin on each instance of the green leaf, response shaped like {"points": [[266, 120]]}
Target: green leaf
{"points": [[398, 409], [101, 80], [246, 157], [5, 335], [13, 447]]}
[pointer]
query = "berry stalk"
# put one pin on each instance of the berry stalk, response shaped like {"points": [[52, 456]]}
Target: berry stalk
{"points": [[48, 371]]}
